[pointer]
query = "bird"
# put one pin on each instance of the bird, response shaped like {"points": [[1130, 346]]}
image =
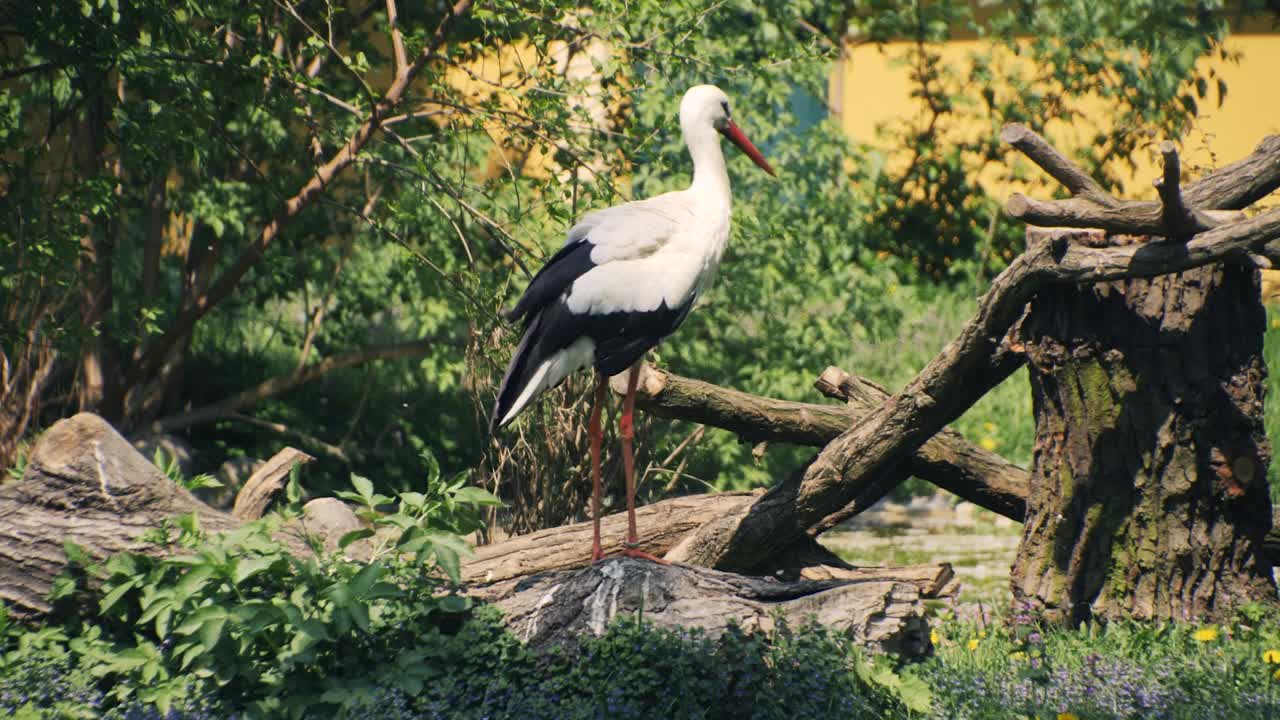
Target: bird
{"points": [[626, 277]]}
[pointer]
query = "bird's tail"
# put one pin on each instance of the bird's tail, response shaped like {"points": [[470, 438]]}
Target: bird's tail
{"points": [[515, 379], [540, 363]]}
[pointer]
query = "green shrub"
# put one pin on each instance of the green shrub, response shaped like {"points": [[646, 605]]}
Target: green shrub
{"points": [[638, 671], [237, 616]]}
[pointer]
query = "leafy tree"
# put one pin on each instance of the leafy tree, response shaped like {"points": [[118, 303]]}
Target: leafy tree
{"points": [[274, 222]]}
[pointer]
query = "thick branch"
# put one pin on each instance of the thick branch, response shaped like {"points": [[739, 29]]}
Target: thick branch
{"points": [[397, 39], [308, 194], [948, 386], [946, 460], [1241, 183], [1180, 212], [284, 383]]}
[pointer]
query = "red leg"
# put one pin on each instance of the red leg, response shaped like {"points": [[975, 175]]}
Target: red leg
{"points": [[626, 430], [596, 434]]}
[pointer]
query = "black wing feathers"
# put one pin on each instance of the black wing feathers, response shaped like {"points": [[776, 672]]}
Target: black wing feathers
{"points": [[553, 279], [620, 338]]}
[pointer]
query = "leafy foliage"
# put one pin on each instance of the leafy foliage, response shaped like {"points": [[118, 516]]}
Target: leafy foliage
{"points": [[367, 332], [243, 616]]}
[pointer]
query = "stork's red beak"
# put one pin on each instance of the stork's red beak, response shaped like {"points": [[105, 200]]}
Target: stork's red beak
{"points": [[734, 133]]}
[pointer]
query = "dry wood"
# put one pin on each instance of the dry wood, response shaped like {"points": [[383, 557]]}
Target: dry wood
{"points": [[1175, 216], [271, 387], [258, 491], [946, 460], [1180, 212], [86, 484], [856, 463], [552, 608], [662, 526]]}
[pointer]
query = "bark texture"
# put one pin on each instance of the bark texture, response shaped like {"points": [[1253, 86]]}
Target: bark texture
{"points": [[556, 607], [1148, 492]]}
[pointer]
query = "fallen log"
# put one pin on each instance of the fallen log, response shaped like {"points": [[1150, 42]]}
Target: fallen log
{"points": [[556, 607], [86, 484]]}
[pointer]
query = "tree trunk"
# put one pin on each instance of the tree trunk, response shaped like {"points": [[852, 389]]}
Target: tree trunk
{"points": [[1148, 494]]}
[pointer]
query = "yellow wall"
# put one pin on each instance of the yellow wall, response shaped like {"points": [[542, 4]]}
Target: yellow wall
{"points": [[869, 90]]}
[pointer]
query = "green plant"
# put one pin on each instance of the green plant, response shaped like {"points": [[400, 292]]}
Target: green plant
{"points": [[169, 465], [272, 630]]}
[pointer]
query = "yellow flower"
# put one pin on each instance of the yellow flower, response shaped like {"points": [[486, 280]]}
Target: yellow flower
{"points": [[1019, 656], [988, 443], [1271, 657], [934, 637], [1067, 716], [982, 633], [989, 427], [1206, 634], [973, 644]]}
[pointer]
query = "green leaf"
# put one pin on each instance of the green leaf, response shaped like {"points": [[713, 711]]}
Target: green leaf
{"points": [[211, 631], [353, 536], [365, 579], [363, 486], [116, 594], [455, 603], [433, 466], [76, 553], [246, 568], [197, 619], [448, 561], [472, 495]]}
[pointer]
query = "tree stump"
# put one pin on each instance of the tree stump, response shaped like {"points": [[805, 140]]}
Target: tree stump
{"points": [[1148, 493]]}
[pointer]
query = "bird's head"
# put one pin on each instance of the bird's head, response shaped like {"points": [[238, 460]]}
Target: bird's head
{"points": [[707, 106]]}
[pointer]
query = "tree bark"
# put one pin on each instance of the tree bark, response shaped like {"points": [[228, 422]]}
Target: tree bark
{"points": [[1148, 496], [946, 460], [552, 608]]}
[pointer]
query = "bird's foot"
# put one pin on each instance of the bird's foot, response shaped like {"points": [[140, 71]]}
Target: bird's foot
{"points": [[631, 551]]}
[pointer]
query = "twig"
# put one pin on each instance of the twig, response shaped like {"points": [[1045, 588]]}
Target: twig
{"points": [[1056, 164], [397, 40]]}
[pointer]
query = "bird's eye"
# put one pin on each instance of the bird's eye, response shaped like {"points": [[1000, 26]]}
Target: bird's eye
{"points": [[725, 105]]}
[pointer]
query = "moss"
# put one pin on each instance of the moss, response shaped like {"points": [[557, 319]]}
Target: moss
{"points": [[1100, 404]]}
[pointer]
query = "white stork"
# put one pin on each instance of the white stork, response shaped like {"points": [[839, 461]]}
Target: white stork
{"points": [[626, 278]]}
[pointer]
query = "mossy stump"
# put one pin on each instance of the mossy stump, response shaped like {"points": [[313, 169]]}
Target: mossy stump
{"points": [[1148, 496]]}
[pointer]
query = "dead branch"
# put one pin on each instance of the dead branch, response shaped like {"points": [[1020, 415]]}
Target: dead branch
{"points": [[267, 482], [284, 383], [1180, 212], [1056, 164], [946, 460], [857, 462]]}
